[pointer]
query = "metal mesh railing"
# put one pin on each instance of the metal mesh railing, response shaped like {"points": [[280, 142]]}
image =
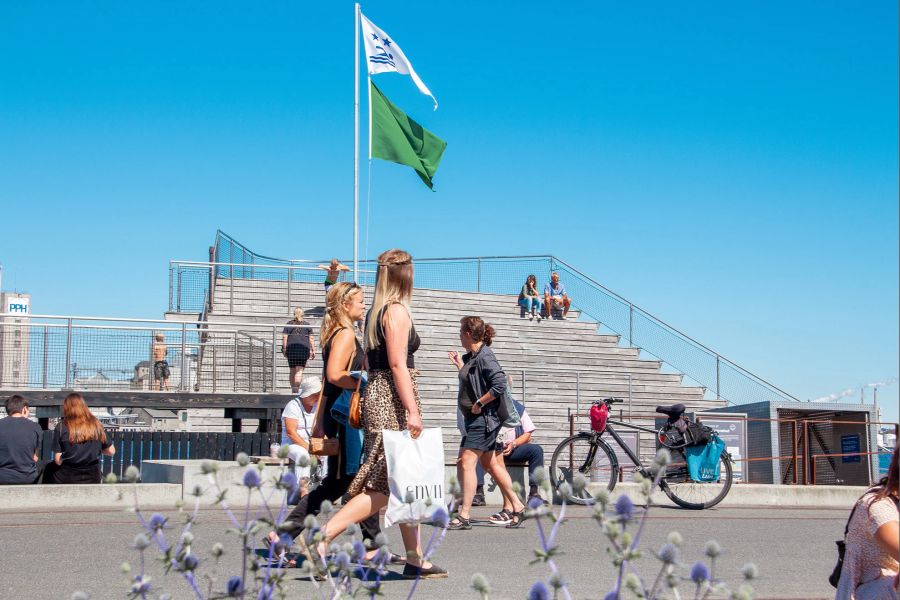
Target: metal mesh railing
{"points": [[81, 353], [232, 284]]}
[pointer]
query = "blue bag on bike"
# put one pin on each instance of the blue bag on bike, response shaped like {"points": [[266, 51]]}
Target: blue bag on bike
{"points": [[703, 460]]}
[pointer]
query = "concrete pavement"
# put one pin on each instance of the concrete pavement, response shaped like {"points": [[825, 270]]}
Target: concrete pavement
{"points": [[50, 554]]}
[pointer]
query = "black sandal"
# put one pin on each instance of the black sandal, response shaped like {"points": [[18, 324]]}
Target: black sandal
{"points": [[515, 520], [459, 523]]}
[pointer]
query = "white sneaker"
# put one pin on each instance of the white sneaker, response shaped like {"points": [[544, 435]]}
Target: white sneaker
{"points": [[531, 317]]}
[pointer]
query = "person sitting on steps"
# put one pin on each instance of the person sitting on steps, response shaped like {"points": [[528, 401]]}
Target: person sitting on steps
{"points": [[555, 297], [530, 300]]}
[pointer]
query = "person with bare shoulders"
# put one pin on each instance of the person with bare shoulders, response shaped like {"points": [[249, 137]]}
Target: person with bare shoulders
{"points": [[334, 269], [158, 351], [390, 401]]}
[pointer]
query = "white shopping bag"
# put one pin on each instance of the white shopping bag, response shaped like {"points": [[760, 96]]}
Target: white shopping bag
{"points": [[415, 471]]}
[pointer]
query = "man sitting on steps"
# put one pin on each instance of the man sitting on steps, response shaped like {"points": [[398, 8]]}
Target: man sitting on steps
{"points": [[555, 296]]}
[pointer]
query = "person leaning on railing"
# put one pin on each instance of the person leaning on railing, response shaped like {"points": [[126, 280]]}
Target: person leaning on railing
{"points": [[870, 568], [78, 442]]}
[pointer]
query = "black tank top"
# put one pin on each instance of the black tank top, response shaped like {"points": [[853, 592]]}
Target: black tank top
{"points": [[330, 392], [378, 356]]}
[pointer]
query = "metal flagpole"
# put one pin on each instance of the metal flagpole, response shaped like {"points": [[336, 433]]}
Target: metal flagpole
{"points": [[356, 144]]}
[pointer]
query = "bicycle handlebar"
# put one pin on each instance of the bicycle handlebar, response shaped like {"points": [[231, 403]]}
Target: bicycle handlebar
{"points": [[611, 400]]}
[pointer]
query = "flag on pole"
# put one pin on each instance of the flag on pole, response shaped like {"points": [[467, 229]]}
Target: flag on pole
{"points": [[383, 55], [399, 139]]}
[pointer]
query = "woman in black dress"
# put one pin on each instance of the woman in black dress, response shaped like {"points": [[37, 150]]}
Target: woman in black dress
{"points": [[344, 306], [78, 442]]}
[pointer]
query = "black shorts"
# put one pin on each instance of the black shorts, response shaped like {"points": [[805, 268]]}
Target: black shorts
{"points": [[479, 437], [161, 369], [297, 355]]}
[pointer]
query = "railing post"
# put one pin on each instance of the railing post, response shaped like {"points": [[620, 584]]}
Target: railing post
{"points": [[46, 349], [274, 355], [179, 290], [68, 351], [290, 278], [171, 303], [234, 362], [577, 392], [231, 292], [631, 325], [629, 396], [212, 278], [215, 369], [478, 289], [718, 395], [183, 356]]}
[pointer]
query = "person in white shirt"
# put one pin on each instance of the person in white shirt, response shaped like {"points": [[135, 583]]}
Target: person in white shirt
{"points": [[297, 421]]}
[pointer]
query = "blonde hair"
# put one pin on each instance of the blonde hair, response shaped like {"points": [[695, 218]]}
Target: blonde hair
{"points": [[336, 310], [298, 314], [393, 285]]}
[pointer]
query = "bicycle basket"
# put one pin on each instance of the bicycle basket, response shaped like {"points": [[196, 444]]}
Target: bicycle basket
{"points": [[599, 415]]}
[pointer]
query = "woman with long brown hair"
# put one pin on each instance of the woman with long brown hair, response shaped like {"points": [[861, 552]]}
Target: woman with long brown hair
{"points": [[78, 442], [390, 401], [870, 568]]}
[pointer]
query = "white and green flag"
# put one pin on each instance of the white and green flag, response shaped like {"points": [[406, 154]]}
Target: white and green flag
{"points": [[383, 55]]}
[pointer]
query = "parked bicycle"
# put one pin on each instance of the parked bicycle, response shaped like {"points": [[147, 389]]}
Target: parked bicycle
{"points": [[589, 453]]}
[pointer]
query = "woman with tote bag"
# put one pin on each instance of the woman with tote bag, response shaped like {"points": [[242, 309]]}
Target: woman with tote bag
{"points": [[482, 393], [390, 401]]}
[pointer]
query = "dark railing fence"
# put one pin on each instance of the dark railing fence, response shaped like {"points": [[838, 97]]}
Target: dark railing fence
{"points": [[134, 447]]}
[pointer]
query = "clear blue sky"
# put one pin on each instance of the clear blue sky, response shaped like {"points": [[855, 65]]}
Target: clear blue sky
{"points": [[730, 167]]}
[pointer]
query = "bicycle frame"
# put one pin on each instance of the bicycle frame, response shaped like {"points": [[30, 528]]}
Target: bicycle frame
{"points": [[631, 455]]}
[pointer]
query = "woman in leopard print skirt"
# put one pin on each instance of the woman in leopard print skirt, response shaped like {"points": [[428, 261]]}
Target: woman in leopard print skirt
{"points": [[390, 401]]}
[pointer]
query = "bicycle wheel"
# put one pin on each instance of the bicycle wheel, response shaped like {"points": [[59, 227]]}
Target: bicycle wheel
{"points": [[687, 493], [579, 454]]}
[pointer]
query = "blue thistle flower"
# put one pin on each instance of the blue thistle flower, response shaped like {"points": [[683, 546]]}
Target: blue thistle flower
{"points": [[251, 478], [668, 554], [342, 561], [157, 522], [535, 502], [624, 507], [235, 586], [289, 480], [359, 551], [440, 518], [699, 573], [539, 591], [190, 562]]}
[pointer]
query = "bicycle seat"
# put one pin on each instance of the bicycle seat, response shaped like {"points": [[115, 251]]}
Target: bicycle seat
{"points": [[673, 412]]}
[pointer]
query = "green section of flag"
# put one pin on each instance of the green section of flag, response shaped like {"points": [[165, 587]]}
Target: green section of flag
{"points": [[399, 139]]}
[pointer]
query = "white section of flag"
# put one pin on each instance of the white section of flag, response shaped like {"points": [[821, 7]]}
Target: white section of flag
{"points": [[383, 55]]}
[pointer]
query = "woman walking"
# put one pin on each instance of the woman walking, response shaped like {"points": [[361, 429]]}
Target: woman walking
{"points": [[344, 305], [391, 401], [530, 300], [870, 570], [297, 345], [78, 442], [482, 384]]}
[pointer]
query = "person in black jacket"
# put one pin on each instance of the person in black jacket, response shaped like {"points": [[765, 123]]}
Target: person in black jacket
{"points": [[482, 383]]}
